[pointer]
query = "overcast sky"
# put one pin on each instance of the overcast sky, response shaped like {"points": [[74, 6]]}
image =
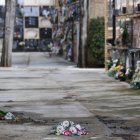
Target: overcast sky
{"points": [[2, 2]]}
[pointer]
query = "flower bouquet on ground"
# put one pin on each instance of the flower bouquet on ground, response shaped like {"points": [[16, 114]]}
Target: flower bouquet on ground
{"points": [[68, 128], [117, 71], [120, 75]]}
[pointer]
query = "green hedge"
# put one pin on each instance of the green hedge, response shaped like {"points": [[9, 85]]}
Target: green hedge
{"points": [[95, 43]]}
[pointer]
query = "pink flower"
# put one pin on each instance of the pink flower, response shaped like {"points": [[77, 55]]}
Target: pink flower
{"points": [[67, 133]]}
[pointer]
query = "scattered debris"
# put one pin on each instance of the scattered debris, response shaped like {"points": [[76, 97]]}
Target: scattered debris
{"points": [[68, 128]]}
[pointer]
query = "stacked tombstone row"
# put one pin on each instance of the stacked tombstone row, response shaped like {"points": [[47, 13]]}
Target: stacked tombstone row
{"points": [[33, 28]]}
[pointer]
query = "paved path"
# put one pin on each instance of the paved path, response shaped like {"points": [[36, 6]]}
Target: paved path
{"points": [[49, 90]]}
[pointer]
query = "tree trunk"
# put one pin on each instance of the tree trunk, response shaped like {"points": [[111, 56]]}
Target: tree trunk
{"points": [[83, 33], [80, 36], [6, 59]]}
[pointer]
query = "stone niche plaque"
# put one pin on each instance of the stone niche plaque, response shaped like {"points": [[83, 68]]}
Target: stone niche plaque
{"points": [[46, 2], [31, 22], [38, 2], [32, 11], [44, 22], [31, 2], [31, 33], [46, 33]]}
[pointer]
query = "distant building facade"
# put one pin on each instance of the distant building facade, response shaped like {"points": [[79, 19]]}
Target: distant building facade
{"points": [[33, 24], [127, 41]]}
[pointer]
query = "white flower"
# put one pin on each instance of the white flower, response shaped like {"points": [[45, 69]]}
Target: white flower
{"points": [[73, 130], [65, 124], [60, 129], [78, 126]]}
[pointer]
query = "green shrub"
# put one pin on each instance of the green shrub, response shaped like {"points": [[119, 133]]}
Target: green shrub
{"points": [[95, 43]]}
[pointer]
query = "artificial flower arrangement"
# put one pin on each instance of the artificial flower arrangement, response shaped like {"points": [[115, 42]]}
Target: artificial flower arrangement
{"points": [[68, 128], [120, 75], [117, 71]]}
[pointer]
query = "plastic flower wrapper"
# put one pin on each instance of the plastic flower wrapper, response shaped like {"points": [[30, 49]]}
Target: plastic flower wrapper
{"points": [[9, 116], [60, 130], [109, 63], [115, 61], [117, 76], [78, 126], [114, 69], [78, 130], [112, 72], [57, 130], [65, 124], [81, 130], [73, 130], [129, 73]]}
